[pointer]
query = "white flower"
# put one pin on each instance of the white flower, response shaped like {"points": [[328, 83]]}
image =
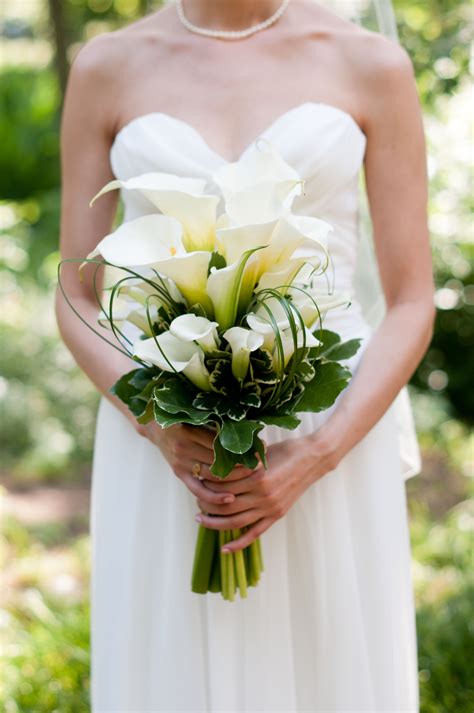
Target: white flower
{"points": [[141, 242], [288, 344], [191, 328], [178, 197], [169, 353], [242, 342], [124, 311]]}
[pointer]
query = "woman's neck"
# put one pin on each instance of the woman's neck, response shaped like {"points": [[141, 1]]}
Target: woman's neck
{"points": [[229, 14]]}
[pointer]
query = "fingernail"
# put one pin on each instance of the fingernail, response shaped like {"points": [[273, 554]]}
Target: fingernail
{"points": [[228, 499], [198, 518], [225, 550]]}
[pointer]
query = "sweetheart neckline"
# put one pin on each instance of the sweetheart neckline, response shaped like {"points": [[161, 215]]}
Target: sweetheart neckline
{"points": [[129, 124]]}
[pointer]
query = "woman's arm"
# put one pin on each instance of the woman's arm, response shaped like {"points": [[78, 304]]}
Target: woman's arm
{"points": [[397, 189], [396, 179], [86, 134]]}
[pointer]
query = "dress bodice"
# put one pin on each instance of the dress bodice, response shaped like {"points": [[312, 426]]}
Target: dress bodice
{"points": [[323, 143], [326, 146]]}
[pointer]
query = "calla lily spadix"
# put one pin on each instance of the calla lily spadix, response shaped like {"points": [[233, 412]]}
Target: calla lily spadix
{"points": [[242, 342], [191, 328], [141, 242], [180, 198], [169, 353]]}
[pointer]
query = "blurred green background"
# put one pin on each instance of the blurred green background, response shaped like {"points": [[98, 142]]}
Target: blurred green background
{"points": [[48, 405]]}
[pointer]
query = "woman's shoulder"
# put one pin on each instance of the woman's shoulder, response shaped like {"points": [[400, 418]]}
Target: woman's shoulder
{"points": [[365, 51], [111, 52]]}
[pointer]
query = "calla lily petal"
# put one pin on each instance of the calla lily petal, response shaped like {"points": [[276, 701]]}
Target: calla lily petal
{"points": [[189, 273], [262, 203], [169, 353], [147, 183], [288, 342], [224, 287], [261, 164], [141, 242], [281, 276], [191, 328], [242, 342], [197, 214]]}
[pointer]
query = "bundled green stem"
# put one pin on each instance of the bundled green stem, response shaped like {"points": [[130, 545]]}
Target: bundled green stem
{"points": [[217, 571]]}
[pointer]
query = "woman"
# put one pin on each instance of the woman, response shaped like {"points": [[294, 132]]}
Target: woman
{"points": [[330, 626]]}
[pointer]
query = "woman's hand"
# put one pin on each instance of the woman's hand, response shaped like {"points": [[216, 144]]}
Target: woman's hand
{"points": [[184, 447], [264, 496]]}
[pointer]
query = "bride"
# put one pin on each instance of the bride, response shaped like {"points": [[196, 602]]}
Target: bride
{"points": [[330, 626]]}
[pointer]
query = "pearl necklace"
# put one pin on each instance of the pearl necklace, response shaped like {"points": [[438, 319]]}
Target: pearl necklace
{"points": [[230, 34]]}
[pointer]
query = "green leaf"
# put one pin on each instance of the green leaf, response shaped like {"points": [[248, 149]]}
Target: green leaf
{"points": [[142, 377], [122, 387], [284, 420], [224, 460], [320, 393], [220, 405], [332, 348], [217, 260], [344, 350], [221, 378], [237, 437], [175, 397], [165, 419], [147, 414]]}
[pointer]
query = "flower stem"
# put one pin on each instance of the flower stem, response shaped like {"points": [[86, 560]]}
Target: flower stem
{"points": [[240, 566]]}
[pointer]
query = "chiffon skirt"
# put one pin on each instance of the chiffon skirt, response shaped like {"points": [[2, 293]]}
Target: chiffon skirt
{"points": [[330, 626]]}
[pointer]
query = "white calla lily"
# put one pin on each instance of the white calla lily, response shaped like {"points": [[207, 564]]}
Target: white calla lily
{"points": [[177, 197], [189, 273], [197, 215], [124, 311], [224, 288], [281, 276], [169, 353], [141, 242], [242, 342], [260, 164], [149, 183], [314, 247], [312, 313], [141, 290], [262, 203], [191, 328], [288, 342]]}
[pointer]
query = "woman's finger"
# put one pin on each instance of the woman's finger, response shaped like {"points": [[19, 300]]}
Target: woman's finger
{"points": [[185, 451], [238, 473], [218, 507], [202, 436], [202, 493], [249, 536], [217, 522]]}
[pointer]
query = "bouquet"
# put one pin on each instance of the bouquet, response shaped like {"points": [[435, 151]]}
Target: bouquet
{"points": [[220, 284]]}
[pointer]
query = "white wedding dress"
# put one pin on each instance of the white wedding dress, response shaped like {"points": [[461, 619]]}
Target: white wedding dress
{"points": [[331, 625]]}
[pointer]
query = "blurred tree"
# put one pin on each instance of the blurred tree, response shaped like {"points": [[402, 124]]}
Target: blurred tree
{"points": [[56, 11]]}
